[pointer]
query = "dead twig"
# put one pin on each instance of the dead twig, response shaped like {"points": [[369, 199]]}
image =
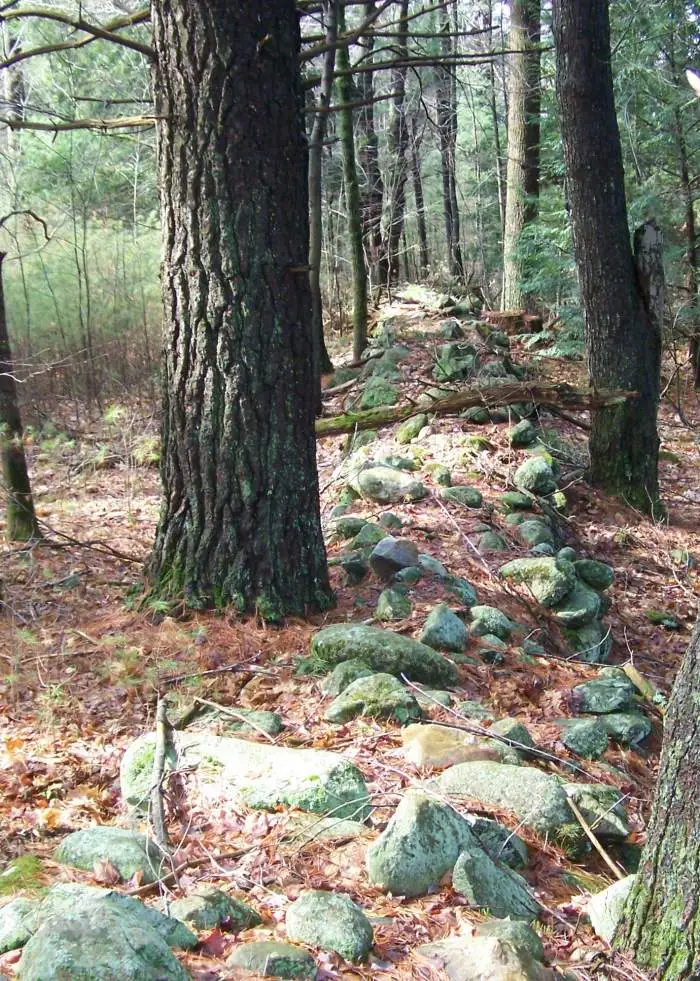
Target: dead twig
{"points": [[157, 808], [593, 840]]}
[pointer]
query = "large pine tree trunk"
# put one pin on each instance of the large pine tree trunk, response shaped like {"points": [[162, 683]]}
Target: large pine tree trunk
{"points": [[240, 518], [623, 343], [661, 921], [522, 182]]}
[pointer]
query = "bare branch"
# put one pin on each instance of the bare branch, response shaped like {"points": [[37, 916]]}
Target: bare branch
{"points": [[119, 122]]}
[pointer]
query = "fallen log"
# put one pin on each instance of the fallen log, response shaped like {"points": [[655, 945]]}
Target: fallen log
{"points": [[491, 397]]}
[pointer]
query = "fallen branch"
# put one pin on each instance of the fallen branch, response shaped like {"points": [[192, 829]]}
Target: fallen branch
{"points": [[594, 840], [160, 832], [559, 396], [646, 688], [192, 863]]}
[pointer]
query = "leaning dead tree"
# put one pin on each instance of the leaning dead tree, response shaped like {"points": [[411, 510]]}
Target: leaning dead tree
{"points": [[495, 396]]}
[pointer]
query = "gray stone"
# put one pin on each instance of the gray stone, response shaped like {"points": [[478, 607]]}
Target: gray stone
{"points": [[431, 566], [421, 842], [567, 553], [408, 576], [489, 620], [523, 434], [491, 541], [450, 329], [626, 728], [515, 501], [368, 536], [409, 464], [386, 485], [473, 710], [613, 692], [502, 844], [251, 722], [444, 630], [494, 888], [344, 674], [477, 414], [592, 642], [596, 574], [538, 799], [391, 555], [585, 737], [535, 476], [579, 607], [433, 698], [605, 908], [533, 531], [514, 932], [17, 923], [128, 851], [463, 590], [468, 497], [544, 548], [390, 521], [379, 695], [549, 580], [208, 908], [384, 651], [602, 808], [377, 368], [393, 604], [332, 922], [513, 729], [347, 526], [274, 960], [259, 774], [355, 567], [484, 958]]}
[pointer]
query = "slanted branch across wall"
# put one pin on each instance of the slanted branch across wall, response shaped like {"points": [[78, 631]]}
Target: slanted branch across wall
{"points": [[495, 396]]}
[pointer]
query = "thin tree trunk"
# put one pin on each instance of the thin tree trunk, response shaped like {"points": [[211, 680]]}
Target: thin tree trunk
{"points": [[447, 130], [21, 522], [368, 151], [353, 204], [500, 166], [522, 182], [419, 199], [240, 520], [318, 135], [660, 926], [623, 343], [692, 280], [397, 145]]}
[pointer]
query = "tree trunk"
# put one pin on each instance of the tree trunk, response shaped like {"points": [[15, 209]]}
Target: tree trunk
{"points": [[318, 135], [623, 344], [368, 149], [522, 181], [447, 129], [240, 520], [661, 921], [692, 280], [500, 175], [397, 144], [21, 523], [352, 199], [419, 198]]}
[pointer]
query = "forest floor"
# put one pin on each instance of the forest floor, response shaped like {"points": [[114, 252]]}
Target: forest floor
{"points": [[82, 665]]}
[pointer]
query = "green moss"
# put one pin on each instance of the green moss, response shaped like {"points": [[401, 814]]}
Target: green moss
{"points": [[23, 873]]}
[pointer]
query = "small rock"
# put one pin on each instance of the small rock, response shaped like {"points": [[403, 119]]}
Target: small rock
{"points": [[568, 554], [208, 908], [473, 710], [515, 730], [450, 329], [491, 887], [348, 526], [477, 415], [344, 674], [579, 607], [421, 842], [386, 485], [468, 497], [408, 576], [489, 620], [605, 908], [602, 808], [378, 393], [502, 844], [535, 476], [433, 698], [626, 728], [368, 536], [439, 747], [431, 566], [128, 851], [332, 922], [585, 737], [484, 958], [523, 434], [390, 521], [548, 579], [613, 692], [534, 531], [17, 923], [444, 630], [378, 695], [516, 933], [596, 574], [592, 642], [463, 590], [440, 474], [544, 548], [515, 501], [393, 604], [274, 960], [391, 555], [355, 567], [491, 541]]}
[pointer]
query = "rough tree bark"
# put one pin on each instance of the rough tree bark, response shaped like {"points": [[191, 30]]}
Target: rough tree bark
{"points": [[623, 343], [316, 138], [419, 197], [523, 166], [20, 519], [661, 921], [240, 519], [368, 152]]}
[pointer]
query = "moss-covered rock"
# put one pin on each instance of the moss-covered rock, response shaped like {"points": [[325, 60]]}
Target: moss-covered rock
{"points": [[463, 590], [393, 604], [496, 889], [17, 923], [384, 651], [592, 642], [419, 845], [548, 579], [344, 674], [387, 485], [602, 808], [468, 497], [626, 728], [605, 908], [596, 574], [378, 393], [535, 476], [379, 695], [491, 541], [444, 631], [408, 576], [274, 960], [502, 844], [585, 737], [332, 922], [609, 692], [534, 531], [580, 606], [347, 526], [208, 908], [515, 501], [409, 430], [523, 434], [432, 566], [489, 620], [128, 851], [368, 536]]}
